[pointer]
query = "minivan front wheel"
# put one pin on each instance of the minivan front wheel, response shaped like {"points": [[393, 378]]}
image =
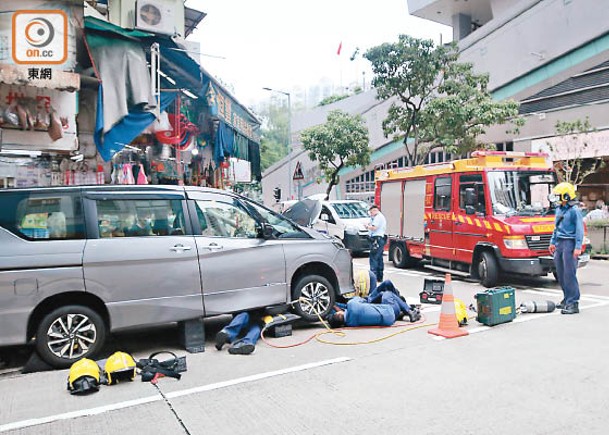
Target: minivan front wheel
{"points": [[314, 297], [68, 334]]}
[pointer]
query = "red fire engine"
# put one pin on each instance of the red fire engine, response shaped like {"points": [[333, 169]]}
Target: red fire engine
{"points": [[475, 217]]}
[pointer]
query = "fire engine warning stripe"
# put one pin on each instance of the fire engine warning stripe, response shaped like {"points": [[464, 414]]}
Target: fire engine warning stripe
{"points": [[157, 397]]}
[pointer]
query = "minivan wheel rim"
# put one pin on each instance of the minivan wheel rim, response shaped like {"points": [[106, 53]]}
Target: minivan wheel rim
{"points": [[317, 298], [71, 336]]}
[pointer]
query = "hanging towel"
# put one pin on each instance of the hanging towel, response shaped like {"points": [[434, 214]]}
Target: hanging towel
{"points": [[141, 176]]}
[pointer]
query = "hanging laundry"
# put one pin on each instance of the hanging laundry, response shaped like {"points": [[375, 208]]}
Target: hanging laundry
{"points": [[128, 174], [141, 176]]}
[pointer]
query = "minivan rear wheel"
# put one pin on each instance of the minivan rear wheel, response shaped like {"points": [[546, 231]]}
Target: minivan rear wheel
{"points": [[68, 334], [314, 296]]}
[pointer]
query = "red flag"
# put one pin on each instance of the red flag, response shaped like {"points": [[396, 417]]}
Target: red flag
{"points": [[340, 47]]}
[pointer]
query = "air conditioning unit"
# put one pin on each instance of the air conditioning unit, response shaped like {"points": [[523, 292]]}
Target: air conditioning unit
{"points": [[156, 16]]}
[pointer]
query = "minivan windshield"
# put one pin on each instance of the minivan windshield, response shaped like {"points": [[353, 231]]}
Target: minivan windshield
{"points": [[522, 193], [351, 210]]}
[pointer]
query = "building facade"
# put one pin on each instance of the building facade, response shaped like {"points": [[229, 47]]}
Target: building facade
{"points": [[109, 91], [550, 55]]}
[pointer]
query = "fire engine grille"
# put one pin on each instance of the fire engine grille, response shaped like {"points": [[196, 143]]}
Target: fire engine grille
{"points": [[539, 243]]}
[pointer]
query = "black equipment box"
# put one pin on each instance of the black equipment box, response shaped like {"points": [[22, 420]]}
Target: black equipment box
{"points": [[192, 335], [277, 331], [433, 290]]}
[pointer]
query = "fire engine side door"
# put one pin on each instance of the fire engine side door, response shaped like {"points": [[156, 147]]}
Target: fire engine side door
{"points": [[440, 223], [469, 224]]}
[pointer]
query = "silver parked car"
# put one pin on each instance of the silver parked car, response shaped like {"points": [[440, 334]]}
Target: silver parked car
{"points": [[79, 262]]}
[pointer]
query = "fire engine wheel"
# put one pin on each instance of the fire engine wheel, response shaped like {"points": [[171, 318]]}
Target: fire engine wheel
{"points": [[488, 269], [314, 297], [399, 256]]}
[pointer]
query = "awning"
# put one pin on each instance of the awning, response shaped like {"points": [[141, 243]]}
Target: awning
{"points": [[93, 23], [192, 18], [176, 63]]}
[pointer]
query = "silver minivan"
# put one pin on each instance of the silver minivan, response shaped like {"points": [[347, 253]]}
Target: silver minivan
{"points": [[79, 262]]}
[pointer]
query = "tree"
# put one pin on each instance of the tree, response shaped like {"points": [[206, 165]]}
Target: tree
{"points": [[568, 151], [274, 135], [341, 142], [439, 103]]}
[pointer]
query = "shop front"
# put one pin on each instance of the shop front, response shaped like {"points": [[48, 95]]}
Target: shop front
{"points": [[174, 124]]}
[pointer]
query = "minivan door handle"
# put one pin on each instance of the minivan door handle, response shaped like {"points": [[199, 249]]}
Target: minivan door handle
{"points": [[180, 248], [213, 247]]}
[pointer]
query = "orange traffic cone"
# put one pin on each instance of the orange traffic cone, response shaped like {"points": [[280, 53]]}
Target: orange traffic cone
{"points": [[448, 326]]}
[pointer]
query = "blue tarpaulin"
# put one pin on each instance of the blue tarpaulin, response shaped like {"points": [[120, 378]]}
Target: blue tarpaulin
{"points": [[224, 145], [124, 131]]}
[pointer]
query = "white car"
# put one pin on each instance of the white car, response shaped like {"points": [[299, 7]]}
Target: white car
{"points": [[343, 219]]}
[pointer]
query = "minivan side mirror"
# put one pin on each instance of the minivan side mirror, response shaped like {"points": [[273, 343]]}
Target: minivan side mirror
{"points": [[265, 231], [324, 217]]}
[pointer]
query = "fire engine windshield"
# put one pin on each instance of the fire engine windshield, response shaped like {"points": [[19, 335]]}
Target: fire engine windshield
{"points": [[520, 192]]}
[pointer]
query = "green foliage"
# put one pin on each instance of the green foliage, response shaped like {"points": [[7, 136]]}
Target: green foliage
{"points": [[573, 168], [331, 99], [438, 102], [274, 135], [341, 141], [334, 98]]}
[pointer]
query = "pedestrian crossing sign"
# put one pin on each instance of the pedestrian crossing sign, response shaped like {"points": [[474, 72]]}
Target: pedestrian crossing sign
{"points": [[298, 175]]}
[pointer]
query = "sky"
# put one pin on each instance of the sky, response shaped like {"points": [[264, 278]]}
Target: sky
{"points": [[285, 44]]}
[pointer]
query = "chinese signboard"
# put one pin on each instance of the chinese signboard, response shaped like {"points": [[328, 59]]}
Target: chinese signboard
{"points": [[224, 107]]}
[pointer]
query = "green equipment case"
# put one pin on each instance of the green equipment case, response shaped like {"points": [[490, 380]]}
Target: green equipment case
{"points": [[496, 305]]}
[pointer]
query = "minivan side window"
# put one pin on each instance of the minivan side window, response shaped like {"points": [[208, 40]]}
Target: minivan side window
{"points": [[49, 215], [225, 219], [139, 217], [443, 187]]}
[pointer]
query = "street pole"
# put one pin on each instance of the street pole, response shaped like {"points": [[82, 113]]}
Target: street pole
{"points": [[289, 138]]}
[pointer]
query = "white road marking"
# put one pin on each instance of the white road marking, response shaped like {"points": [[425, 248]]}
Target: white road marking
{"points": [[528, 317], [158, 397], [582, 297], [254, 378], [80, 413]]}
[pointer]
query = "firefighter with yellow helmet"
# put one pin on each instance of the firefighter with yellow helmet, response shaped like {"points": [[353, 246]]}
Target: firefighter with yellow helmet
{"points": [[566, 244]]}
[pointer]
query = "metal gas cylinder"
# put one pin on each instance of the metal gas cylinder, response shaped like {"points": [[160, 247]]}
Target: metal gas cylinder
{"points": [[537, 307]]}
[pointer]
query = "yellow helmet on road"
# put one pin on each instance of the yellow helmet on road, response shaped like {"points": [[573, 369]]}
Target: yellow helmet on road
{"points": [[361, 282], [83, 377], [566, 191], [461, 312], [119, 366]]}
